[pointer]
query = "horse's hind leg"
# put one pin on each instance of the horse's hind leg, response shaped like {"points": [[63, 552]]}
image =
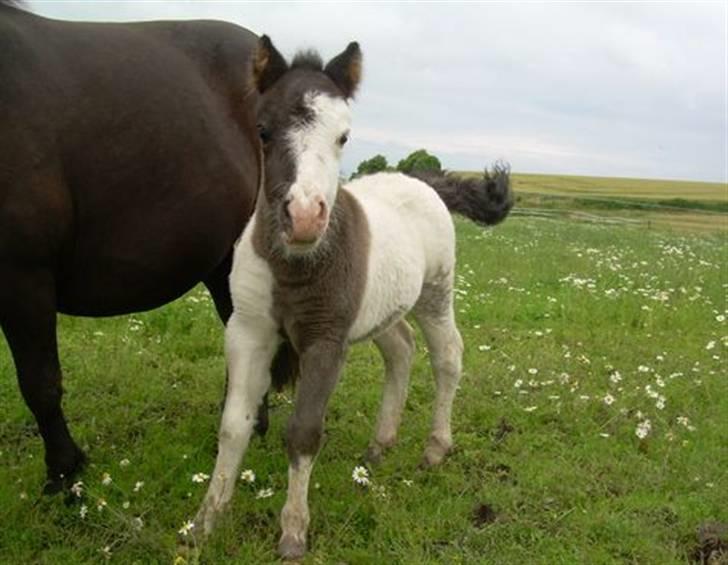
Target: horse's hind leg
{"points": [[28, 319], [219, 287], [435, 315], [397, 346]]}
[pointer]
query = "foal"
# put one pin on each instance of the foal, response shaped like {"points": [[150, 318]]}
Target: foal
{"points": [[324, 266]]}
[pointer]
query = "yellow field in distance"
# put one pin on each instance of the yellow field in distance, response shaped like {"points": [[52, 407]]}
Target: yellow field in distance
{"points": [[578, 186], [681, 205]]}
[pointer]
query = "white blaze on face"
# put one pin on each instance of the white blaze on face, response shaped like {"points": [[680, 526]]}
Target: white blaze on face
{"points": [[316, 150]]}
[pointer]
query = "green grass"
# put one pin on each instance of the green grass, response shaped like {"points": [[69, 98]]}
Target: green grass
{"points": [[549, 310], [547, 200]]}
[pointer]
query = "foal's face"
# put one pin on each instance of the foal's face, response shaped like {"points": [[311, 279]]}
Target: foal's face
{"points": [[303, 129], [303, 121]]}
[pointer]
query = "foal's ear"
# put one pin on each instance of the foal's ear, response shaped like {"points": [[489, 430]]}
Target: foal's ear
{"points": [[268, 64], [345, 69]]}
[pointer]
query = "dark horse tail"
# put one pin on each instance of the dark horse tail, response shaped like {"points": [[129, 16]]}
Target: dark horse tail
{"points": [[485, 200]]}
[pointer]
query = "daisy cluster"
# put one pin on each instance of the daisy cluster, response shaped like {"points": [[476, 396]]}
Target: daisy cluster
{"points": [[648, 286]]}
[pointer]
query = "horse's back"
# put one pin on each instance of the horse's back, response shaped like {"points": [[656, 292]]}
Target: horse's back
{"points": [[406, 210], [136, 143]]}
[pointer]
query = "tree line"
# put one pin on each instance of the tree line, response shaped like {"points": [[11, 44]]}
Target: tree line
{"points": [[419, 160]]}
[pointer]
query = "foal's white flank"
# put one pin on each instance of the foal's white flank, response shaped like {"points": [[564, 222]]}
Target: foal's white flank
{"points": [[382, 246]]}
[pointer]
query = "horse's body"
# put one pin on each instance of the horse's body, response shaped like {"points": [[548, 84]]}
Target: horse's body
{"points": [[129, 165], [325, 267]]}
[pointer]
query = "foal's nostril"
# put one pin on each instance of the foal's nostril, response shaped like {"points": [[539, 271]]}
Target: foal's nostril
{"points": [[322, 210]]}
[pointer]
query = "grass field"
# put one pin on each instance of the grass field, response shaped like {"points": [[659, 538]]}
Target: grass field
{"points": [[590, 426]]}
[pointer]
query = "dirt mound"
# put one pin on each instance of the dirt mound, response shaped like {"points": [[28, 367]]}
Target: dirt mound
{"points": [[712, 548]]}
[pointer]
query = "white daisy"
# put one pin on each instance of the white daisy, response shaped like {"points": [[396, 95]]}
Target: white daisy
{"points": [[77, 488], [186, 528], [264, 493], [643, 429], [360, 475]]}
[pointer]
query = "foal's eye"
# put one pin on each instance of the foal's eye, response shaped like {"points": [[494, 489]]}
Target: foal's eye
{"points": [[263, 133], [343, 139]]}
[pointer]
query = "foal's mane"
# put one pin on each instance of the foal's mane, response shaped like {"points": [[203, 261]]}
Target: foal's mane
{"points": [[308, 59]]}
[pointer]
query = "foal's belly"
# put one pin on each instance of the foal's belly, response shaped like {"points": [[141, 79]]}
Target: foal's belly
{"points": [[371, 326]]}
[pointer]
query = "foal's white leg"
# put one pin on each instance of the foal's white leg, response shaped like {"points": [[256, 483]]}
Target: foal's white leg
{"points": [[249, 349], [397, 346], [436, 317], [295, 516]]}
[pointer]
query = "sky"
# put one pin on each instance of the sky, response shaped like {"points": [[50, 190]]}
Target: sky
{"points": [[627, 89]]}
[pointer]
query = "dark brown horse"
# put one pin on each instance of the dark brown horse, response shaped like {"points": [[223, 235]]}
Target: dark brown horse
{"points": [[129, 165]]}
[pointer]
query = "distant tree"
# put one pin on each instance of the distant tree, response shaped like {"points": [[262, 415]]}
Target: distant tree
{"points": [[420, 160], [370, 166]]}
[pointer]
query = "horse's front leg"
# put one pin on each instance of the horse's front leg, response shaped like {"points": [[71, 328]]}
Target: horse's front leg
{"points": [[28, 319], [249, 348], [320, 369]]}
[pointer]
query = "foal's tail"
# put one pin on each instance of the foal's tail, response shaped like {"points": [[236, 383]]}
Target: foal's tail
{"points": [[486, 200]]}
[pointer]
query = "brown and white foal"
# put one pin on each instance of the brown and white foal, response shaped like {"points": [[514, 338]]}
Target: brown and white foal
{"points": [[324, 266]]}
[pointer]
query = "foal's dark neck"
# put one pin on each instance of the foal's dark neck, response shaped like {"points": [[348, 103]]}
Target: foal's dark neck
{"points": [[335, 242], [317, 296]]}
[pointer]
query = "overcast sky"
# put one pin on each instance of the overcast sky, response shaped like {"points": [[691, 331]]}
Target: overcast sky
{"points": [[610, 89]]}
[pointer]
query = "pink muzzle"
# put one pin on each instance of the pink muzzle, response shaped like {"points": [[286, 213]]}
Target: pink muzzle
{"points": [[309, 220]]}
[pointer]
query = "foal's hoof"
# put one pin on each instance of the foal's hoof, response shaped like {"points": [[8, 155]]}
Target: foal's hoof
{"points": [[435, 453], [187, 552], [291, 548], [374, 454], [60, 481], [377, 449], [204, 522]]}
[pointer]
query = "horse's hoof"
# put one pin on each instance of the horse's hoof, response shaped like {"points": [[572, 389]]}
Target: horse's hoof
{"points": [[291, 548], [58, 481], [54, 486]]}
